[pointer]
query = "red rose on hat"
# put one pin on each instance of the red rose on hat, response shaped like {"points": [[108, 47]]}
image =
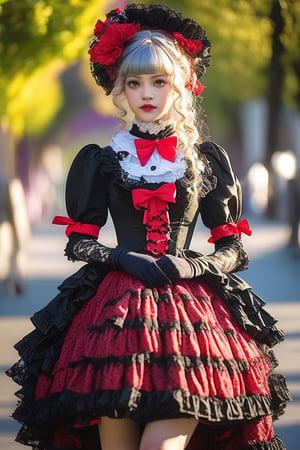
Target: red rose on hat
{"points": [[111, 43], [192, 46]]}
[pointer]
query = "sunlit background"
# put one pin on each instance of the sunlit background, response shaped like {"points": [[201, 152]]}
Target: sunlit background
{"points": [[50, 106]]}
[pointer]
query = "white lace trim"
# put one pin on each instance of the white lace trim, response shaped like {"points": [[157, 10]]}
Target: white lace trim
{"points": [[156, 170], [152, 127]]}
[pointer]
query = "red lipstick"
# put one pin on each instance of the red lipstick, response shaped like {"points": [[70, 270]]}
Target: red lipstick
{"points": [[147, 107]]}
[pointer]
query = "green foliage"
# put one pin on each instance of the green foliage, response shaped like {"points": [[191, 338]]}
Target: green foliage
{"points": [[38, 39], [33, 101], [291, 42]]}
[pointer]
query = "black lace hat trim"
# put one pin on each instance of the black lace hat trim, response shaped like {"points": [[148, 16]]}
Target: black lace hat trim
{"points": [[156, 17]]}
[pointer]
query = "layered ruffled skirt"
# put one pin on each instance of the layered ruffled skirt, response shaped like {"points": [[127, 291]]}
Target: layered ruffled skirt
{"points": [[108, 346]]}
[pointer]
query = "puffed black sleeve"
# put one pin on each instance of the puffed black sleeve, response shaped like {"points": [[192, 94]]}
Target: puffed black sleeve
{"points": [[86, 195], [221, 210], [87, 207], [222, 205]]}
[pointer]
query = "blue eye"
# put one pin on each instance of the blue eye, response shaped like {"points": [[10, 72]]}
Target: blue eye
{"points": [[133, 83]]}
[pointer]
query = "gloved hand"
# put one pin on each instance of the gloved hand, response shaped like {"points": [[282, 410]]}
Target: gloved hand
{"points": [[144, 267], [229, 256], [179, 268]]}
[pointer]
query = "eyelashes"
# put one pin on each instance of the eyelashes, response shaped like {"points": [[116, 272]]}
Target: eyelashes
{"points": [[156, 83]]}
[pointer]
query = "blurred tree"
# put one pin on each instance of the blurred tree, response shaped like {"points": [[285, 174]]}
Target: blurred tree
{"points": [[290, 37], [276, 71], [284, 80], [38, 38]]}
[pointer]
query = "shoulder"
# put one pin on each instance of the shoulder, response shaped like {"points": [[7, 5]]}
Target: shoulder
{"points": [[218, 158], [89, 151], [93, 157], [214, 151]]}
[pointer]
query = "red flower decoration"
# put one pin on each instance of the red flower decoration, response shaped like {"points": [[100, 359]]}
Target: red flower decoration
{"points": [[193, 84], [192, 46], [198, 88], [111, 42], [99, 28]]}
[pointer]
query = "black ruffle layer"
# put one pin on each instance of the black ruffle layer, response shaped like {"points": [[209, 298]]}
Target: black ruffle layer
{"points": [[278, 388], [273, 444], [82, 409], [40, 349], [244, 304]]}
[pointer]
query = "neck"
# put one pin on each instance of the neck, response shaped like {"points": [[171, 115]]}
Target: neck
{"points": [[152, 134], [152, 127]]}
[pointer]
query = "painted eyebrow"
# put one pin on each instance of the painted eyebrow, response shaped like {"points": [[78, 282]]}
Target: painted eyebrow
{"points": [[160, 75]]}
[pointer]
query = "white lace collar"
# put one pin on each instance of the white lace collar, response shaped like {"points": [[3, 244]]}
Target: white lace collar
{"points": [[156, 170], [152, 127]]}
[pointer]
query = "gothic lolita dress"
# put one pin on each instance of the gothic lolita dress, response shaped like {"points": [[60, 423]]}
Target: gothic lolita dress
{"points": [[108, 345]]}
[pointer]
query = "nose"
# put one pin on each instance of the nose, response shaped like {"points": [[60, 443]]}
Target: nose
{"points": [[147, 92]]}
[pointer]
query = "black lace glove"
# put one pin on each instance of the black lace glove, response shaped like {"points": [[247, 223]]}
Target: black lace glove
{"points": [[82, 247], [228, 257], [144, 267]]}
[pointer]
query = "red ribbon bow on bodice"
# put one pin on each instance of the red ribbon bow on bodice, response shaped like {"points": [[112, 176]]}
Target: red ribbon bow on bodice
{"points": [[166, 148], [154, 201], [156, 217]]}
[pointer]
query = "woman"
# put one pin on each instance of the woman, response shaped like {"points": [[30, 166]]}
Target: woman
{"points": [[151, 344]]}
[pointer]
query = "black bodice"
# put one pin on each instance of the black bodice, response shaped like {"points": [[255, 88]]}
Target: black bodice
{"points": [[96, 185]]}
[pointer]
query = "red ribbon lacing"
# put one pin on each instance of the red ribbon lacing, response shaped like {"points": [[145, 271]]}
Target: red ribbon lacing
{"points": [[78, 227], [156, 217], [229, 229]]}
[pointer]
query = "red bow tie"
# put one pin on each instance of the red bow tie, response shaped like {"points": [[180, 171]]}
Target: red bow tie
{"points": [[165, 147]]}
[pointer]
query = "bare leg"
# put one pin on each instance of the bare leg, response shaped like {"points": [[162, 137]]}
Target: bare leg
{"points": [[169, 434], [119, 434]]}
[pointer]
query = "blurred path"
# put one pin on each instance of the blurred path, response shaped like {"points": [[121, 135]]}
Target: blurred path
{"points": [[273, 273]]}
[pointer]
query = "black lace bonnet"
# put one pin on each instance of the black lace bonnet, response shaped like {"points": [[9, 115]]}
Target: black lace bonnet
{"points": [[137, 17]]}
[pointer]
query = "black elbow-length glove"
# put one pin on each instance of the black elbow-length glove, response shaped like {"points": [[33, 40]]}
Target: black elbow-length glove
{"points": [[228, 257]]}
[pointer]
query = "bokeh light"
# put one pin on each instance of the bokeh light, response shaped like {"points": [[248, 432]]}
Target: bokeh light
{"points": [[258, 179], [285, 164]]}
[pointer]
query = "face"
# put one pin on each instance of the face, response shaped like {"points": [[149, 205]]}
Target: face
{"points": [[149, 96]]}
